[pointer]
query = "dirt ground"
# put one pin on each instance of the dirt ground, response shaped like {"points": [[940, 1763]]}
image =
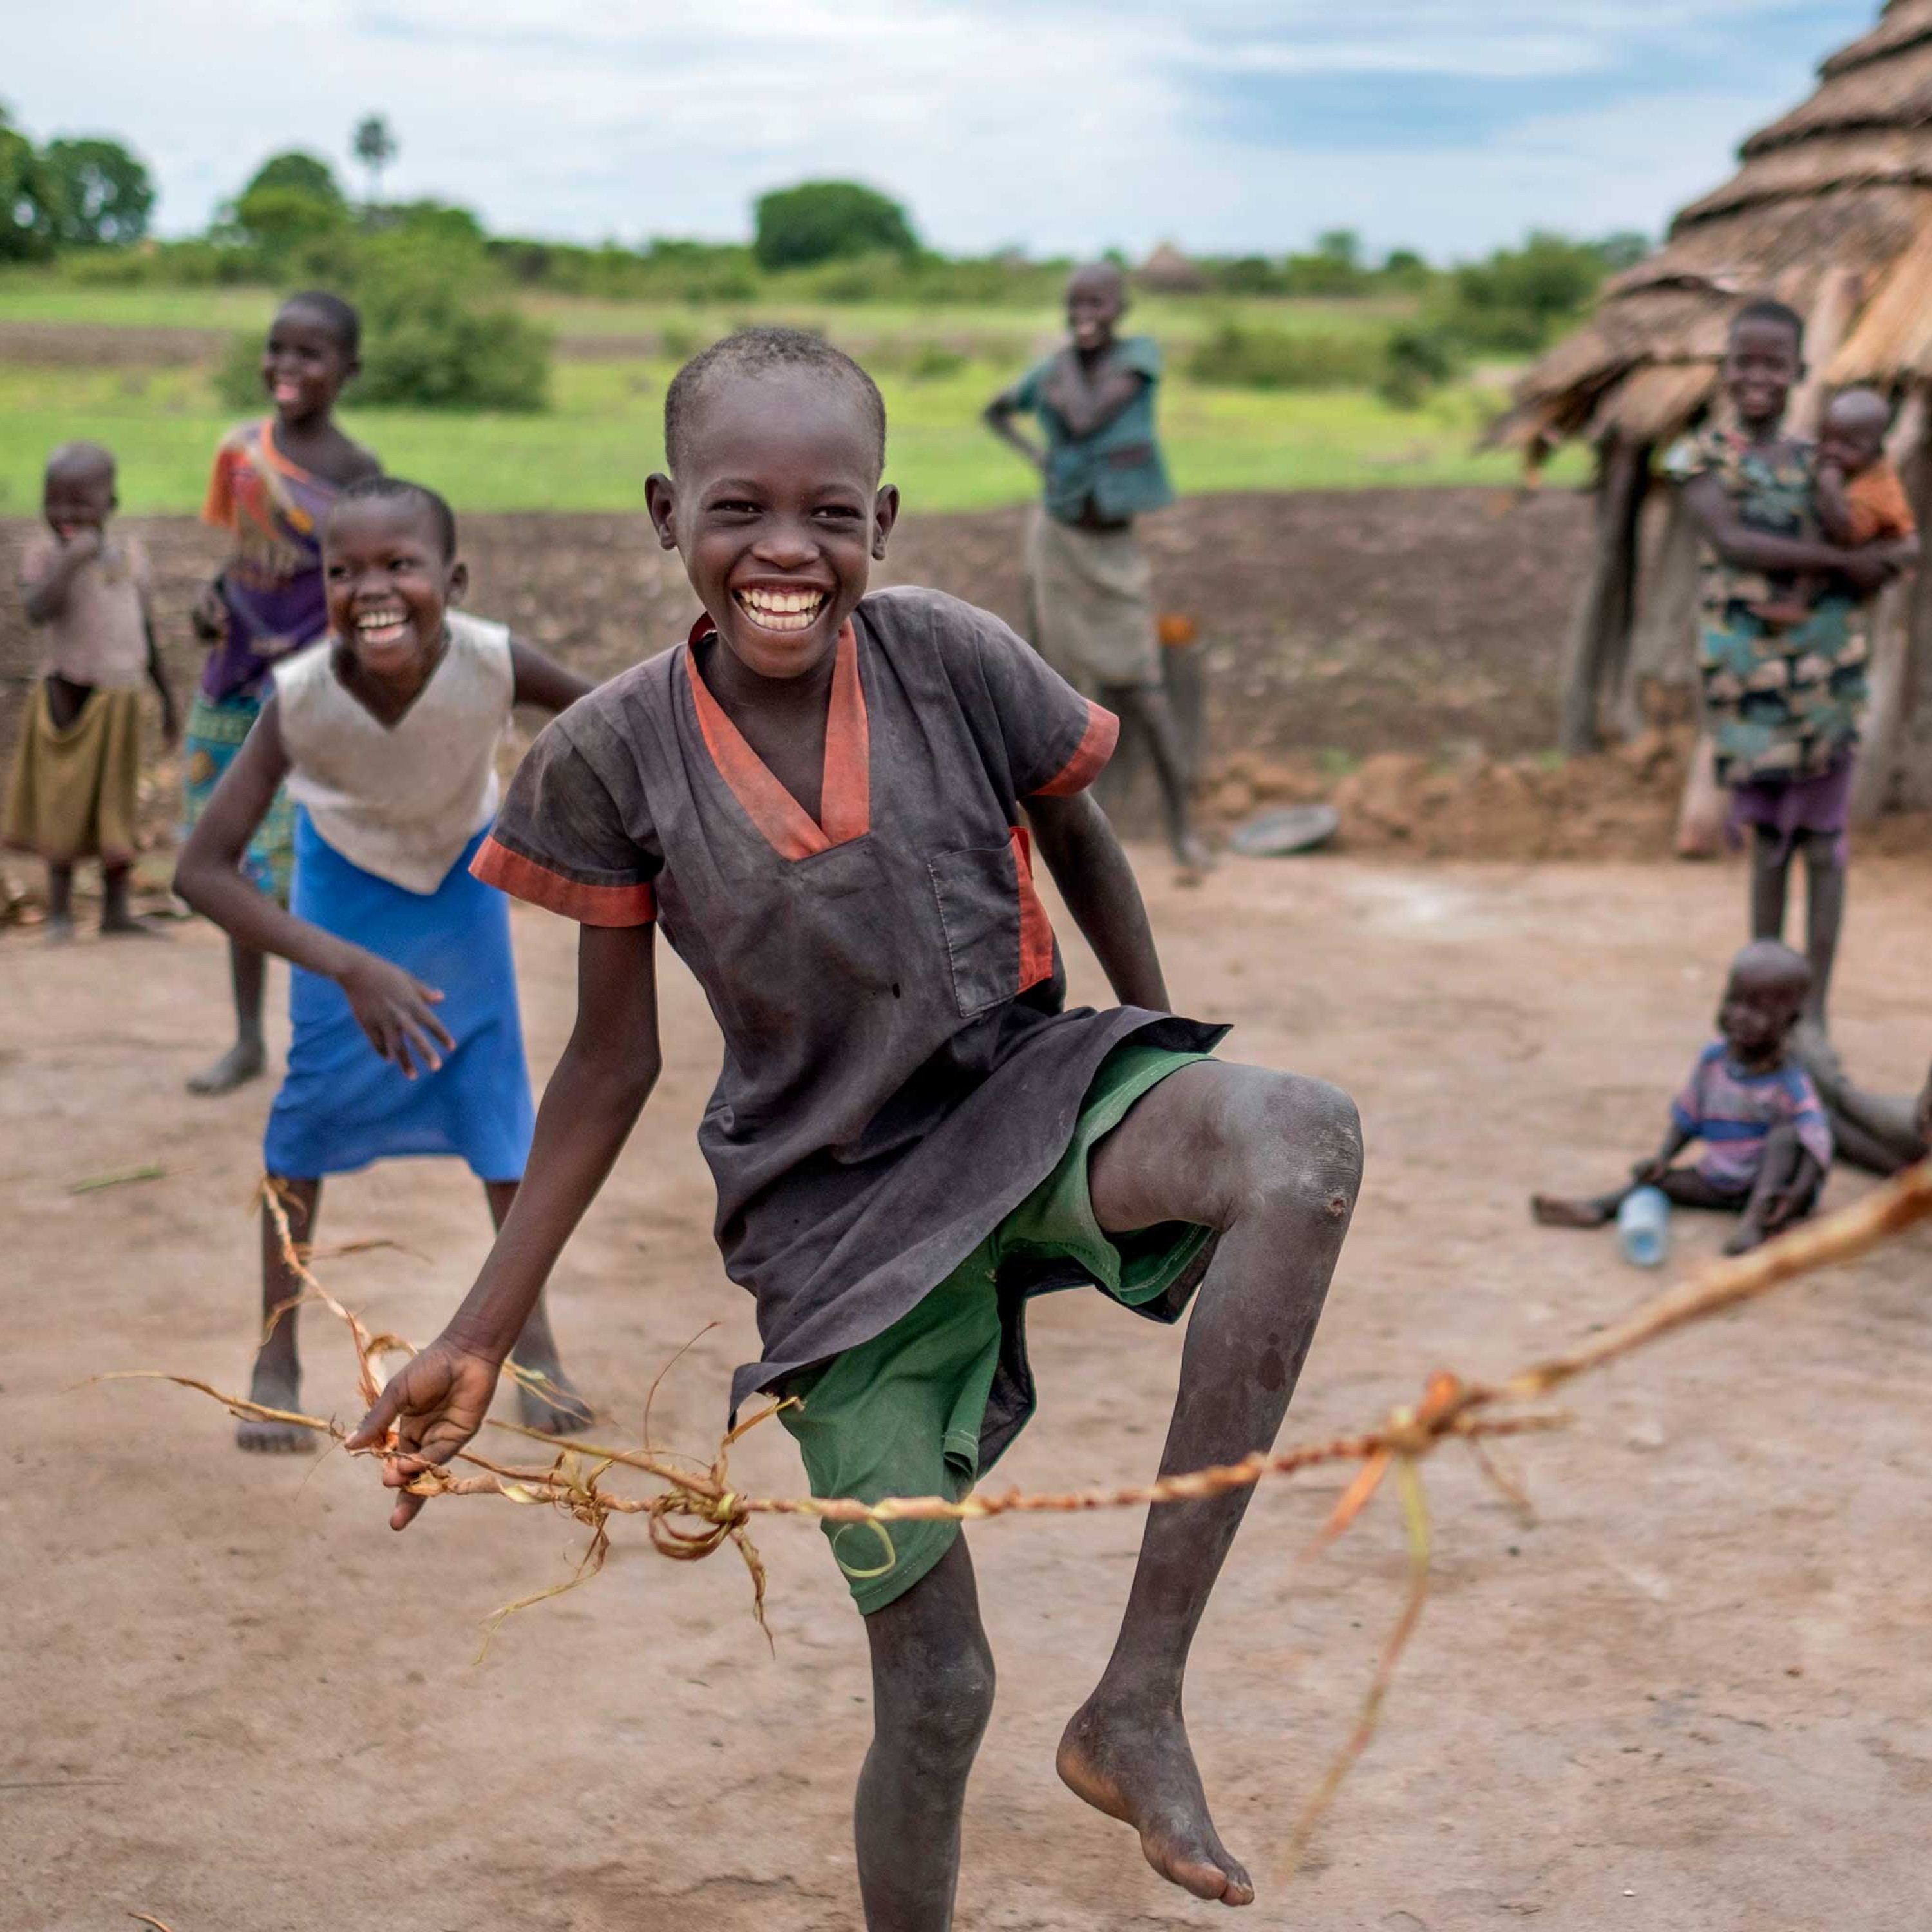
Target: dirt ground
{"points": [[1692, 1697], [1332, 620]]}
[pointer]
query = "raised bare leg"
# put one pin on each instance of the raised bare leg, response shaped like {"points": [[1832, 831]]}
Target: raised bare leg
{"points": [[276, 1381], [1824, 917], [1273, 1162], [245, 1059], [559, 1410], [932, 1693]]}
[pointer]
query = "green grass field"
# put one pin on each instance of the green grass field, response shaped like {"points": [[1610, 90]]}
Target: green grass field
{"points": [[593, 447], [36, 296]]}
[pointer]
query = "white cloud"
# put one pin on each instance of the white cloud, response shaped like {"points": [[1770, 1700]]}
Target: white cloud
{"points": [[1064, 123]]}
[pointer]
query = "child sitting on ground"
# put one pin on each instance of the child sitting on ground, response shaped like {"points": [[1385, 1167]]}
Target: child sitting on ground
{"points": [[386, 733], [819, 793], [76, 773], [1767, 1144], [1855, 493]]}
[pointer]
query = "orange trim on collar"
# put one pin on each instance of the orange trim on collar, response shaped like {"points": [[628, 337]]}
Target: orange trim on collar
{"points": [[845, 791]]}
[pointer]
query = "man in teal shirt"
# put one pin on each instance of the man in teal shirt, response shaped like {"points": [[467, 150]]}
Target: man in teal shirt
{"points": [[1088, 586]]}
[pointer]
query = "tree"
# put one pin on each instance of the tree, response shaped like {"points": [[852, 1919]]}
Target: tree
{"points": [[828, 221], [291, 207], [1341, 246], [375, 148], [301, 173], [102, 194], [28, 204], [1623, 249]]}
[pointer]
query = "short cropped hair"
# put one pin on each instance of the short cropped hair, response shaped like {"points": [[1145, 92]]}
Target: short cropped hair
{"points": [[82, 459], [1765, 309], [752, 352], [398, 490], [341, 316]]}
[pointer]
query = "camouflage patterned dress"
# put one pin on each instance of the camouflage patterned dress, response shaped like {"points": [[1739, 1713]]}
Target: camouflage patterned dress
{"points": [[1783, 706]]}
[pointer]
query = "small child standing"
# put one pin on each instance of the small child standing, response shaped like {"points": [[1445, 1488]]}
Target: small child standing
{"points": [[1783, 706], [820, 794], [1089, 592], [1768, 1145], [75, 774], [386, 733], [272, 484]]}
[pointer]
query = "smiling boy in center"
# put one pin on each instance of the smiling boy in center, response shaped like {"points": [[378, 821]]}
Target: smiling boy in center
{"points": [[828, 800]]}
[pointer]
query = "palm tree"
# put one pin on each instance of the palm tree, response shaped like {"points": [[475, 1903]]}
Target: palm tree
{"points": [[375, 148]]}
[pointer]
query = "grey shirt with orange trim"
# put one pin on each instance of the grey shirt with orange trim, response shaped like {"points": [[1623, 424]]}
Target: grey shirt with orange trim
{"points": [[900, 1071]]}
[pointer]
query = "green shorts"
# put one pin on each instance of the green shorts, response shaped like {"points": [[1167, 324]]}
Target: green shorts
{"points": [[902, 1415]]}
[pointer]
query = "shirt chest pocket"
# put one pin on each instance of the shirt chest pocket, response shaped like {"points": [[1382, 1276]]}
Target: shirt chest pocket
{"points": [[979, 896]]}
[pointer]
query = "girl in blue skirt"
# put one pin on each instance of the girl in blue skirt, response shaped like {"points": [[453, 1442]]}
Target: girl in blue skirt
{"points": [[403, 1001]]}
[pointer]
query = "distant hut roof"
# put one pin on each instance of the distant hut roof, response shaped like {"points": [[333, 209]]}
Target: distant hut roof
{"points": [[1841, 185], [1167, 268]]}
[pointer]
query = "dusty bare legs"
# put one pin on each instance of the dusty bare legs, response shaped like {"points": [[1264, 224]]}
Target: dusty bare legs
{"points": [[1824, 903], [277, 1382], [244, 1059], [1152, 706], [1273, 1163], [932, 1693], [559, 1410]]}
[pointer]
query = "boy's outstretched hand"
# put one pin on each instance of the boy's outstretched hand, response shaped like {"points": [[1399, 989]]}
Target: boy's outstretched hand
{"points": [[436, 1403]]}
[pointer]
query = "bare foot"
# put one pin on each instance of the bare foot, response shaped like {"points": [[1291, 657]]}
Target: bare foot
{"points": [[1750, 1235], [1135, 1765], [1195, 858], [126, 926], [1553, 1211], [555, 1407], [241, 1063], [59, 932], [276, 1388]]}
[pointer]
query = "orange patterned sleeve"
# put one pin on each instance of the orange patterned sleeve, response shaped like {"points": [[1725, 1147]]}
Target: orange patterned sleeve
{"points": [[1880, 507], [217, 507]]}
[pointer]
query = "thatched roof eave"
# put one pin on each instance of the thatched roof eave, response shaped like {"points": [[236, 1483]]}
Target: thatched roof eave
{"points": [[1834, 196]]}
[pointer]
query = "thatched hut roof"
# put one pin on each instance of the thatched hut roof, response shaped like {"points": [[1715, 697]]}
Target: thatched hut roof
{"points": [[1169, 269], [1838, 193]]}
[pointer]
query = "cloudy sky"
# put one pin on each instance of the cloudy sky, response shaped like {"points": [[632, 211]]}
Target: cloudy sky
{"points": [[1062, 125]]}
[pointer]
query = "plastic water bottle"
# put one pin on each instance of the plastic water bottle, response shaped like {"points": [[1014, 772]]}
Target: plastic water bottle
{"points": [[1643, 1227]]}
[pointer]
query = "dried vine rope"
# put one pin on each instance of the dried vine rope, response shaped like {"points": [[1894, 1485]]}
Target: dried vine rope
{"points": [[1451, 1409]]}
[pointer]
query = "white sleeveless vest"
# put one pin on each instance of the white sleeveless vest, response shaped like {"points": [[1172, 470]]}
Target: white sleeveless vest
{"points": [[400, 801]]}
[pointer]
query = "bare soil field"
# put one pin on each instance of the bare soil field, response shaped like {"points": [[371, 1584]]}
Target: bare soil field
{"points": [[1692, 1697]]}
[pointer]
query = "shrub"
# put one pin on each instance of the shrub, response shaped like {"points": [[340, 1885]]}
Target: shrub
{"points": [[237, 376], [440, 353], [1517, 298], [1416, 361], [1236, 356], [933, 361], [828, 221], [433, 336]]}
